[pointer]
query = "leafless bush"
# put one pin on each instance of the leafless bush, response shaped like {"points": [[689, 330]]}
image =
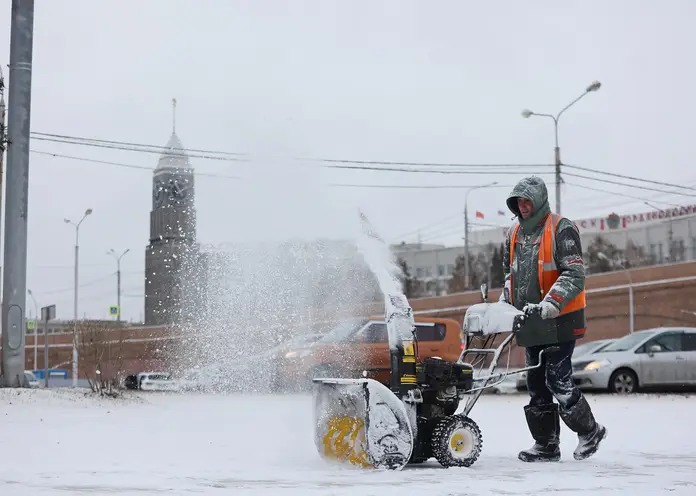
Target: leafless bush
{"points": [[100, 347]]}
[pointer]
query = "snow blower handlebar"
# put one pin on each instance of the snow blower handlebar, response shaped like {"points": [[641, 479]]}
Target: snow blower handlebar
{"points": [[488, 320]]}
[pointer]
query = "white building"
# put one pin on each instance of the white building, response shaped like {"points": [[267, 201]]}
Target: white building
{"points": [[649, 232]]}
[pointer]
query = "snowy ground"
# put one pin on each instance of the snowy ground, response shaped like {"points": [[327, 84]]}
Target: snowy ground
{"points": [[56, 442]]}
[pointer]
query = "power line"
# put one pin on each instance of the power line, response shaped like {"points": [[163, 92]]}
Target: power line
{"points": [[617, 194], [126, 143], [119, 164], [430, 171], [90, 283], [632, 178], [609, 181], [170, 152], [419, 164], [415, 186], [355, 164]]}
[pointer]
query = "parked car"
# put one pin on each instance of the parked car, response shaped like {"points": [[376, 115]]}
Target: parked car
{"points": [[151, 381], [581, 350], [32, 381], [506, 386], [653, 358], [361, 346]]}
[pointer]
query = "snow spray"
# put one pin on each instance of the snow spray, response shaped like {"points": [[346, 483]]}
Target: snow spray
{"points": [[253, 297]]}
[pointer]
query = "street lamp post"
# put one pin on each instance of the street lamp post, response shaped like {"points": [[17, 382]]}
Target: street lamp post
{"points": [[466, 230], [118, 258], [631, 313], [36, 330], [77, 260], [526, 113]]}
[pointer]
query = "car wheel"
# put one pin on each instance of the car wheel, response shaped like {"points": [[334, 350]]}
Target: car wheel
{"points": [[623, 381]]}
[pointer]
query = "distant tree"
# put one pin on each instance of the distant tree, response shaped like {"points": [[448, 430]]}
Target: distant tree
{"points": [[497, 276], [635, 256], [407, 281], [478, 273], [456, 283], [101, 354], [602, 256]]}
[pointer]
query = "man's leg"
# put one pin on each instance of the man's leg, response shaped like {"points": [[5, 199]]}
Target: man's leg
{"points": [[541, 413], [574, 408]]}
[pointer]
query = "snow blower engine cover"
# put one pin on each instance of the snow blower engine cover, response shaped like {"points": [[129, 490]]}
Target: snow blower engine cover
{"points": [[483, 319]]}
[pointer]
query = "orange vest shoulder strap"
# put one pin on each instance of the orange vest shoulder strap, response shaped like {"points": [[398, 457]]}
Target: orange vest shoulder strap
{"points": [[513, 240]]}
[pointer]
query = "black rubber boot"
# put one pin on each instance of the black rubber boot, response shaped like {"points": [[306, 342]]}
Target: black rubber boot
{"points": [[545, 427], [579, 419]]}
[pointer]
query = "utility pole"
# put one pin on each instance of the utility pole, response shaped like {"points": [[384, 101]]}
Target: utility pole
{"points": [[77, 263], [557, 150], [118, 258], [467, 282], [47, 313], [16, 214], [3, 141], [36, 330]]}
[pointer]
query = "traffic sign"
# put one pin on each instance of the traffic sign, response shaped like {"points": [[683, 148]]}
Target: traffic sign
{"points": [[31, 324], [114, 310]]}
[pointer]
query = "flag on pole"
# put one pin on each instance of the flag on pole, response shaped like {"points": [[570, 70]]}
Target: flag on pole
{"points": [[479, 215], [500, 212]]}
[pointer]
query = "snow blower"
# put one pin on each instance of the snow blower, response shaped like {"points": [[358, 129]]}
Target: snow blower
{"points": [[419, 414]]}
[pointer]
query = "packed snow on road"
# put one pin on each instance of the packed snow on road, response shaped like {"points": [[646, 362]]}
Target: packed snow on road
{"points": [[61, 442]]}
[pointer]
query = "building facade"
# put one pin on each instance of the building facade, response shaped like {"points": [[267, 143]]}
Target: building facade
{"points": [[171, 253], [648, 238]]}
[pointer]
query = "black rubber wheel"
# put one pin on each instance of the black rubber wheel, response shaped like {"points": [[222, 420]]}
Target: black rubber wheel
{"points": [[456, 441], [623, 381]]}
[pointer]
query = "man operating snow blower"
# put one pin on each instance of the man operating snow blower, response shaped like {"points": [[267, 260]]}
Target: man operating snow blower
{"points": [[545, 277]]}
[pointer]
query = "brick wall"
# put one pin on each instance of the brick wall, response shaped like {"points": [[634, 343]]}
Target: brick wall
{"points": [[607, 312]]}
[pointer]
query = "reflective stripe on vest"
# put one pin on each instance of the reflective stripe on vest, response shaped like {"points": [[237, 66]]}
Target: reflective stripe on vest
{"points": [[546, 269]]}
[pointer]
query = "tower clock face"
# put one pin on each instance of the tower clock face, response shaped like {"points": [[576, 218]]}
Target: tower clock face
{"points": [[173, 191], [177, 191], [158, 192]]}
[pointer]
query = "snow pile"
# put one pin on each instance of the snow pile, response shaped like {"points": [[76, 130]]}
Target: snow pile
{"points": [[262, 445]]}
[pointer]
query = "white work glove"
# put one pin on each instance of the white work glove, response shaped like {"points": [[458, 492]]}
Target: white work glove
{"points": [[505, 293], [546, 309]]}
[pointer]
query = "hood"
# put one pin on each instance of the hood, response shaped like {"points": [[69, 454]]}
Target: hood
{"points": [[533, 189]]}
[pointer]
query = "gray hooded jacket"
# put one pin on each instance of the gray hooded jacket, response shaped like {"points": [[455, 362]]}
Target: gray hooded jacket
{"points": [[525, 280]]}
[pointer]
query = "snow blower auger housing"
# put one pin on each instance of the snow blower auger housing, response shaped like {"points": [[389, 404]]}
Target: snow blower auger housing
{"points": [[418, 415]]}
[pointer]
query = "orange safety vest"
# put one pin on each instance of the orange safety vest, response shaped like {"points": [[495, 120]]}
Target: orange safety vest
{"points": [[547, 269]]}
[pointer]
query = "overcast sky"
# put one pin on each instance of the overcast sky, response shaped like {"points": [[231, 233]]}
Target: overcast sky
{"points": [[367, 80]]}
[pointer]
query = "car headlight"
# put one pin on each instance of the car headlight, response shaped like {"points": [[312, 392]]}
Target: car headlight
{"points": [[291, 354], [596, 365]]}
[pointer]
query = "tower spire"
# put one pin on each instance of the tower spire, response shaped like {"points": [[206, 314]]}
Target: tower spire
{"points": [[173, 115]]}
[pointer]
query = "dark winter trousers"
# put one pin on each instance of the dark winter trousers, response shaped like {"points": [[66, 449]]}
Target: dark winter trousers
{"points": [[554, 379]]}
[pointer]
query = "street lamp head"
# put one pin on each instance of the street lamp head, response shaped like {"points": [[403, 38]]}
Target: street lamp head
{"points": [[88, 211], [526, 113], [67, 221], [594, 86], [29, 291]]}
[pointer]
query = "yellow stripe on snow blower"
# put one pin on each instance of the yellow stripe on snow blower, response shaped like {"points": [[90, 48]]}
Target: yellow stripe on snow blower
{"points": [[345, 441]]}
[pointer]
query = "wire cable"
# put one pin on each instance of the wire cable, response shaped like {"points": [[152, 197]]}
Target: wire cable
{"points": [[632, 178], [609, 181]]}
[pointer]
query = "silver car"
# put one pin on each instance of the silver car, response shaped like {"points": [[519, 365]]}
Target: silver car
{"points": [[580, 351], [650, 358]]}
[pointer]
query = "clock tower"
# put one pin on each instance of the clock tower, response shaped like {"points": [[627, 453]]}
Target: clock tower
{"points": [[170, 255]]}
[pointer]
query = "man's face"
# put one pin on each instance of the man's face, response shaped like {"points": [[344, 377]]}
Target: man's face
{"points": [[526, 207]]}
